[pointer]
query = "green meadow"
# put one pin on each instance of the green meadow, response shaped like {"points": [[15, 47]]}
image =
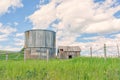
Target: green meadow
{"points": [[81, 68]]}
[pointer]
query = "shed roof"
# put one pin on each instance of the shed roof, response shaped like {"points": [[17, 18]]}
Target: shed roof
{"points": [[70, 48]]}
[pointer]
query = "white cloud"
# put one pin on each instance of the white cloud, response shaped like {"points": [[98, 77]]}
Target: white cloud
{"points": [[16, 46], [47, 15], [19, 42], [5, 31], [3, 37], [19, 34], [107, 26], [75, 16], [6, 4], [16, 23], [78, 17], [10, 48]]}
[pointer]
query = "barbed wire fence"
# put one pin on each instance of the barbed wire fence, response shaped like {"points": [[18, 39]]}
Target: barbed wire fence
{"points": [[11, 56], [104, 51]]}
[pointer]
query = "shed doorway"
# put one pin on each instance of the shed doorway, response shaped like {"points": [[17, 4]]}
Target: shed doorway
{"points": [[70, 56]]}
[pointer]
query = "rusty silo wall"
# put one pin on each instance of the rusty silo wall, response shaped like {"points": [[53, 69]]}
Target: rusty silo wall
{"points": [[38, 42]]}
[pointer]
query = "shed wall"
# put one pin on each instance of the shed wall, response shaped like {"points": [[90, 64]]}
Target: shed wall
{"points": [[65, 54]]}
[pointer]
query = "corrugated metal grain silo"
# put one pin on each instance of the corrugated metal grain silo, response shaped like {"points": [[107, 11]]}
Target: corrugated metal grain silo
{"points": [[38, 43]]}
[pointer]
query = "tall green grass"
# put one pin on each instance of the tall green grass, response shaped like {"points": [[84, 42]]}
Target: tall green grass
{"points": [[81, 68]]}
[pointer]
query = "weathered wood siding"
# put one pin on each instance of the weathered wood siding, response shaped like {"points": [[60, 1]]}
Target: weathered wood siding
{"points": [[65, 51], [37, 42]]}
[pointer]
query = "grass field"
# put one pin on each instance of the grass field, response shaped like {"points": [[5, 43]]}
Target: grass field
{"points": [[81, 68], [12, 56]]}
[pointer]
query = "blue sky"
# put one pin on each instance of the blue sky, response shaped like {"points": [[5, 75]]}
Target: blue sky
{"points": [[76, 22]]}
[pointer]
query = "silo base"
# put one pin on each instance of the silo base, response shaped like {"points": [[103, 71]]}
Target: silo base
{"points": [[39, 53]]}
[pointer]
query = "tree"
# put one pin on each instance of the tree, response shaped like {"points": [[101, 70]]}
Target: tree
{"points": [[22, 50]]}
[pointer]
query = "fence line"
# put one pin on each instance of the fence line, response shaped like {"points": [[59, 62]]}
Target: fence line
{"points": [[11, 56], [104, 51]]}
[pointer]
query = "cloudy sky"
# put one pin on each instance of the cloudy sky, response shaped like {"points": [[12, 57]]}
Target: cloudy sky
{"points": [[77, 22]]}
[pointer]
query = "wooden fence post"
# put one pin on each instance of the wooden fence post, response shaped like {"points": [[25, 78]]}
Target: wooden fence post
{"points": [[105, 53], [6, 56], [47, 55], [91, 51], [24, 55]]}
